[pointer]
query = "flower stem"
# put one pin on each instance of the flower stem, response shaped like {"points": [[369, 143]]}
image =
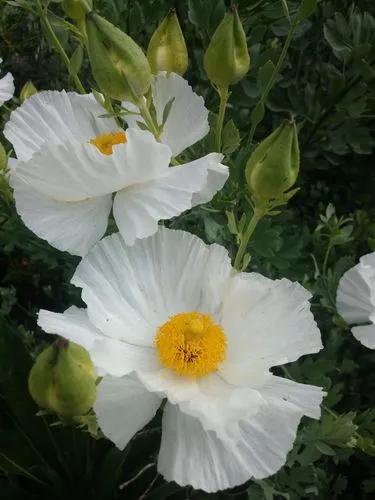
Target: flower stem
{"points": [[59, 48], [224, 95], [146, 115], [245, 239]]}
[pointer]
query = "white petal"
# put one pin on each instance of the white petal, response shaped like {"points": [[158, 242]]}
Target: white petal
{"points": [[356, 292], [138, 209], [6, 88], [123, 406], [304, 398], [365, 335], [108, 355], [69, 226], [131, 291], [189, 455], [187, 122], [52, 117], [75, 171], [267, 323]]}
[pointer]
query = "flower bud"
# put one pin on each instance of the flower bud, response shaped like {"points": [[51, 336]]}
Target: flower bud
{"points": [[63, 380], [118, 64], [167, 48], [27, 91], [273, 167], [77, 9], [227, 58]]}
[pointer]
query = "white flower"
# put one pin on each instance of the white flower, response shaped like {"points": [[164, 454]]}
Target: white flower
{"points": [[356, 299], [168, 318], [70, 161], [6, 88]]}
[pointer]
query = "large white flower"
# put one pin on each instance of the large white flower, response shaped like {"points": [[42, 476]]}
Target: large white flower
{"points": [[70, 161], [356, 299], [6, 88], [168, 318]]}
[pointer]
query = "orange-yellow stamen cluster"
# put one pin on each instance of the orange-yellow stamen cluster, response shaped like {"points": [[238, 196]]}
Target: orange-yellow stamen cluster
{"points": [[191, 344], [105, 142]]}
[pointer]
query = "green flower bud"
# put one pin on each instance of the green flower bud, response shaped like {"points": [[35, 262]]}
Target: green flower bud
{"points": [[167, 48], [273, 167], [77, 9], [63, 379], [27, 91], [118, 64], [227, 58]]}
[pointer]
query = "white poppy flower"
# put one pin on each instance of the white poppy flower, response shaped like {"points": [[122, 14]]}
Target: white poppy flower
{"points": [[6, 88], [356, 299], [168, 318], [70, 161]]}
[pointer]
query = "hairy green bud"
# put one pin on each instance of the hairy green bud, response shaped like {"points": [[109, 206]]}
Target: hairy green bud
{"points": [[167, 48], [118, 64], [273, 167], [77, 9], [27, 91], [227, 58], [63, 379]]}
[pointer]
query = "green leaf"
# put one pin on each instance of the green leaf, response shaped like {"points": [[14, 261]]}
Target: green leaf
{"points": [[167, 109], [257, 114], [230, 138], [307, 8], [264, 75], [76, 60]]}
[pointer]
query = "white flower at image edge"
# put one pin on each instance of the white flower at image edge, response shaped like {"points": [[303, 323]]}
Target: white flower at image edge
{"points": [[168, 318], [70, 161], [356, 299], [6, 88]]}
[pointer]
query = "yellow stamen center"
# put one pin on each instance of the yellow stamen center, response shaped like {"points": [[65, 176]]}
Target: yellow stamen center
{"points": [[105, 142], [191, 344]]}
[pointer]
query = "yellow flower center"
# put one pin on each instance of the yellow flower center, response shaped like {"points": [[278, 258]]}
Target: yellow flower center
{"points": [[191, 344], [105, 142]]}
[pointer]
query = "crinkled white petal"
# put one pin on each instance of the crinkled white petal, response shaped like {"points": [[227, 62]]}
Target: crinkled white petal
{"points": [[131, 291], [76, 171], [267, 323], [110, 356], [69, 226], [55, 118], [365, 334], [190, 455], [356, 292], [123, 406], [187, 122], [138, 208], [6, 88]]}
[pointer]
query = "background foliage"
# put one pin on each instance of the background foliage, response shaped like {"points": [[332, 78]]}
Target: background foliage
{"points": [[327, 82]]}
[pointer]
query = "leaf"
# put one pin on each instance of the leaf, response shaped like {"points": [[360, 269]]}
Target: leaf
{"points": [[307, 8], [230, 138], [167, 110], [76, 61], [264, 75], [257, 114]]}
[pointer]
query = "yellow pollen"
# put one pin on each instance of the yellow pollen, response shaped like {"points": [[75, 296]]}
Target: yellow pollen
{"points": [[105, 142], [191, 344]]}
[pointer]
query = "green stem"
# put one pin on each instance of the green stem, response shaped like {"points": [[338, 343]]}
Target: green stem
{"points": [[275, 72], [146, 115], [245, 240], [22, 470], [224, 95], [59, 48]]}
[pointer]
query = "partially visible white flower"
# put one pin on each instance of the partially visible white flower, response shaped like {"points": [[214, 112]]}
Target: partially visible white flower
{"points": [[70, 161], [168, 318], [186, 124], [6, 88], [356, 299]]}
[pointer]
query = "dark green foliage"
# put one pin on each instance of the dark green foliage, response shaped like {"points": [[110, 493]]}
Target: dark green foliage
{"points": [[327, 82]]}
